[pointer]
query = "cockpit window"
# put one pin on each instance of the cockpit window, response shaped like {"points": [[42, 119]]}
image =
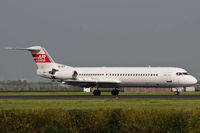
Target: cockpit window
{"points": [[182, 73], [178, 73]]}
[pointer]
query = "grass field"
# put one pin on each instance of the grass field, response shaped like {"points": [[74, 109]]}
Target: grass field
{"points": [[115, 103], [99, 115], [107, 103]]}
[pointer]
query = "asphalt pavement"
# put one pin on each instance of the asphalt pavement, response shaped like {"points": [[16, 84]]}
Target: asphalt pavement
{"points": [[92, 97]]}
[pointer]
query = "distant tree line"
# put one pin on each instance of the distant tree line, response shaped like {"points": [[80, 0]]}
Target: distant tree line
{"points": [[23, 85]]}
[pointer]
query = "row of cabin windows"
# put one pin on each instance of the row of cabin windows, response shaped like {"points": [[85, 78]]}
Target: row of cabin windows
{"points": [[118, 74]]}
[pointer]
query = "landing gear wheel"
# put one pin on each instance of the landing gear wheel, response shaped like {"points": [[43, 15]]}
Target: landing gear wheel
{"points": [[176, 93], [96, 92], [115, 92]]}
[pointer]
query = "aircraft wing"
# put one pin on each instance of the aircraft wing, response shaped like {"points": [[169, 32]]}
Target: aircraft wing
{"points": [[92, 83]]}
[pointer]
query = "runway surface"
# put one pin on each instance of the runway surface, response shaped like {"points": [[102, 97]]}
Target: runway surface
{"points": [[92, 97]]}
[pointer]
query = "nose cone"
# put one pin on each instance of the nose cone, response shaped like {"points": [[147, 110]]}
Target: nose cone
{"points": [[187, 80], [193, 81]]}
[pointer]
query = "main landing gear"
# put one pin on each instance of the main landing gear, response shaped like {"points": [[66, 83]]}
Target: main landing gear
{"points": [[176, 93], [115, 92], [97, 92]]}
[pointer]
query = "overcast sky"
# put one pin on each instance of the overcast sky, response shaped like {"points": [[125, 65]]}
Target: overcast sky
{"points": [[100, 33]]}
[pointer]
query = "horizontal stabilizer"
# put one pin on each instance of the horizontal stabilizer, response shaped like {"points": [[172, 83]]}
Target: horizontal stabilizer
{"points": [[29, 49], [40, 56]]}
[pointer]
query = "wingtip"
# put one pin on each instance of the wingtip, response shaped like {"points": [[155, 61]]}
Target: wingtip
{"points": [[8, 48]]}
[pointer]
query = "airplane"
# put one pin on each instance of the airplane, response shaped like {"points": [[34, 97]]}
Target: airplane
{"points": [[109, 77]]}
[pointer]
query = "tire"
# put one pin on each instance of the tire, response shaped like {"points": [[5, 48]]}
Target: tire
{"points": [[177, 93], [114, 92], [96, 92]]}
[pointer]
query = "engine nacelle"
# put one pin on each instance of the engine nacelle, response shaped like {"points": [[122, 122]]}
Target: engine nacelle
{"points": [[58, 71], [66, 74]]}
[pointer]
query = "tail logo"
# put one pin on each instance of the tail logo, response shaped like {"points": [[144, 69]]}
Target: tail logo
{"points": [[41, 58]]}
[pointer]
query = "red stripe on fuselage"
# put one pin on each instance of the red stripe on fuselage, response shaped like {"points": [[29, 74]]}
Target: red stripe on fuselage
{"points": [[41, 58]]}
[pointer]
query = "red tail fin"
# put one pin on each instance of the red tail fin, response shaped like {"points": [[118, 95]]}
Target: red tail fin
{"points": [[41, 58]]}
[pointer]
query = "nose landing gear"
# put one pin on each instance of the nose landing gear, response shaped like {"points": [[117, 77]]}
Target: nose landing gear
{"points": [[176, 93]]}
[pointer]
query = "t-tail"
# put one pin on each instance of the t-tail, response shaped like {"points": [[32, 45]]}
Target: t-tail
{"points": [[47, 68], [40, 56]]}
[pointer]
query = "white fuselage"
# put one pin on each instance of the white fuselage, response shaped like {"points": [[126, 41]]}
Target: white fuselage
{"points": [[128, 76], [138, 76]]}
